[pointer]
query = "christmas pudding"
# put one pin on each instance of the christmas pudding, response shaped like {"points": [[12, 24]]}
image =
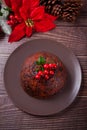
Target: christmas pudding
{"points": [[42, 75]]}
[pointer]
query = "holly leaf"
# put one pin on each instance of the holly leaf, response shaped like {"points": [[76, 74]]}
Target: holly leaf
{"points": [[37, 63], [42, 69], [41, 60]]}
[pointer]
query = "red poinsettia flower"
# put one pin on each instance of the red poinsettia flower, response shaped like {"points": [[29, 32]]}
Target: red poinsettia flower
{"points": [[33, 18]]}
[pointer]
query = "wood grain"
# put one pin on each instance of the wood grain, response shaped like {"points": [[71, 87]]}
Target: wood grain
{"points": [[72, 35], [70, 119]]}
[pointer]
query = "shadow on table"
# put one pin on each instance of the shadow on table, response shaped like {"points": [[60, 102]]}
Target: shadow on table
{"points": [[2, 35]]}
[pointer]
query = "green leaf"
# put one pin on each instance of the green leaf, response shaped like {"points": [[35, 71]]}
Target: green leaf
{"points": [[41, 60], [42, 69], [38, 63]]}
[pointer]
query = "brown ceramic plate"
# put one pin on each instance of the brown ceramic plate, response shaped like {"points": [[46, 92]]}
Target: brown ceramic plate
{"points": [[54, 104]]}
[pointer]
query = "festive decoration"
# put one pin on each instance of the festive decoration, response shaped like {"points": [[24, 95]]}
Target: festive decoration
{"points": [[45, 70], [71, 9], [4, 12], [41, 60], [33, 18], [67, 10], [14, 20], [22, 18], [52, 6], [5, 27]]}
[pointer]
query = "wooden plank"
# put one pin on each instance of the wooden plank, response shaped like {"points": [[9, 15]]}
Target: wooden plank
{"points": [[74, 117], [84, 9], [72, 37], [81, 21]]}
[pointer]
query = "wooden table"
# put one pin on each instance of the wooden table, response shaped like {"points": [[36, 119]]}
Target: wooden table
{"points": [[72, 35]]}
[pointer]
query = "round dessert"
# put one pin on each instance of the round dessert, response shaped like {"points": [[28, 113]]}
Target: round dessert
{"points": [[42, 75]]}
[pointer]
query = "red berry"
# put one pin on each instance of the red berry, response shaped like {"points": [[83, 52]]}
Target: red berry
{"points": [[51, 72], [46, 72], [8, 22], [50, 65], [54, 66], [40, 73], [11, 17], [12, 22], [37, 76], [46, 77], [16, 17], [46, 66], [15, 21]]}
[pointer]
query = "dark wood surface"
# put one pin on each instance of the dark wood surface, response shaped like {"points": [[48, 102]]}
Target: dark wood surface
{"points": [[72, 35]]}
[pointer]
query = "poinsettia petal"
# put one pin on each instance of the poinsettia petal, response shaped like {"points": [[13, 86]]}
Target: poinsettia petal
{"points": [[8, 3], [37, 13], [24, 12], [28, 31], [34, 3], [16, 5], [18, 33], [52, 18], [44, 25], [31, 3]]}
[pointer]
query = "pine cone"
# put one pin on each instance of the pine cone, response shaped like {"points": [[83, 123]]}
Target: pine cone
{"points": [[52, 6], [43, 2], [68, 10], [56, 10], [71, 9]]}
